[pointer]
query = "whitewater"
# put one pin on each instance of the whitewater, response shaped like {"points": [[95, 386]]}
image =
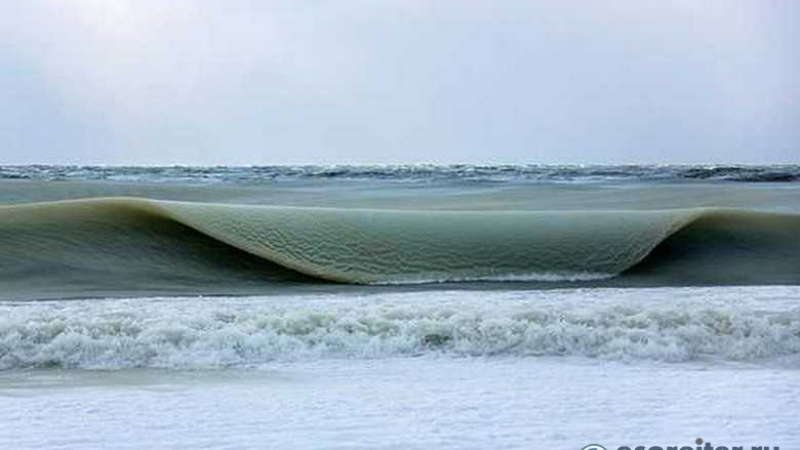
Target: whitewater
{"points": [[399, 306], [447, 369]]}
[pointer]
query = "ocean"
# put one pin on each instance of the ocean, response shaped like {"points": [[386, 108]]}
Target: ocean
{"points": [[413, 306]]}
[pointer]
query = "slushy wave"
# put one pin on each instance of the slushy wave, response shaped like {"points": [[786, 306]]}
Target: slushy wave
{"points": [[117, 244]]}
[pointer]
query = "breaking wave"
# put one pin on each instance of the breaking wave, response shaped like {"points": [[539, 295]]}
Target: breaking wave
{"points": [[666, 324], [120, 244]]}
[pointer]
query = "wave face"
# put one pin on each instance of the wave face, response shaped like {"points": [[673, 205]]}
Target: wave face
{"points": [[665, 324], [408, 172], [113, 246]]}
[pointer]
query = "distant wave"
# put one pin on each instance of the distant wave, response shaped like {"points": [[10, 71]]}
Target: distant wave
{"points": [[407, 172], [652, 324], [127, 244]]}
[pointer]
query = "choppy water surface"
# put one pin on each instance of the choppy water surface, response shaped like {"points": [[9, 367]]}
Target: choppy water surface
{"points": [[677, 325], [407, 172]]}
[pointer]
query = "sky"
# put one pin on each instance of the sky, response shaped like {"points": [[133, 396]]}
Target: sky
{"points": [[242, 82]]}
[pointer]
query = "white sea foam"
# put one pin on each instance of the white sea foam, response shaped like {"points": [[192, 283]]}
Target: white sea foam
{"points": [[544, 277], [665, 324]]}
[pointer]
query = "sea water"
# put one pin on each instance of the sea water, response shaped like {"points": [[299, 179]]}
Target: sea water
{"points": [[154, 309]]}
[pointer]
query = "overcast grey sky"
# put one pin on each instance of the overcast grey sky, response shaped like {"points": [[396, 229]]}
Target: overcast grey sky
{"points": [[266, 82]]}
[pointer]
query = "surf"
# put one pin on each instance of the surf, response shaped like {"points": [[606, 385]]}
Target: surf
{"points": [[672, 325], [121, 245]]}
